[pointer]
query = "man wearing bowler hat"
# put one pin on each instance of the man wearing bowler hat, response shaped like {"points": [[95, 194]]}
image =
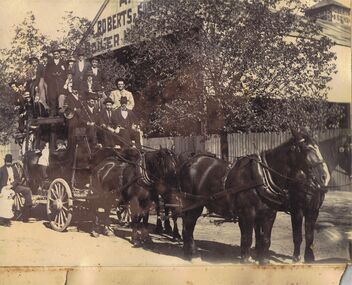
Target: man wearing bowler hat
{"points": [[10, 176], [98, 76], [56, 74], [63, 54], [89, 117], [107, 120], [80, 68], [128, 123], [37, 86]]}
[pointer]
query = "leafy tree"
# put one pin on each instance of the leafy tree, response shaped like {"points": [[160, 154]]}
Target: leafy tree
{"points": [[72, 29], [260, 64], [29, 41]]}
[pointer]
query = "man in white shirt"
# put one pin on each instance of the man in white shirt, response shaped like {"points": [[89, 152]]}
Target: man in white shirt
{"points": [[116, 95]]}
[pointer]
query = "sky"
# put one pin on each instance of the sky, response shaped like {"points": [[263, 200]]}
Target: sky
{"points": [[49, 13]]}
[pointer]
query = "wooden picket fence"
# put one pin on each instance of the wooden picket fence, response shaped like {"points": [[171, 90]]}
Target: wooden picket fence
{"points": [[240, 144]]}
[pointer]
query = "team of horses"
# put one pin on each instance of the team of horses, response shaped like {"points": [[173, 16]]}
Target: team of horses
{"points": [[291, 177]]}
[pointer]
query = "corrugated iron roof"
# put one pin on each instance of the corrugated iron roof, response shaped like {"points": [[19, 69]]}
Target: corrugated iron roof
{"points": [[325, 3]]}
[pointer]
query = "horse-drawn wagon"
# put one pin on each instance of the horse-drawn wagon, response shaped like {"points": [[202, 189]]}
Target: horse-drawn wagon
{"points": [[64, 182]]}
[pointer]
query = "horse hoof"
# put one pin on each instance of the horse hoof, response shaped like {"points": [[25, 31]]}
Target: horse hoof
{"points": [[136, 243], [94, 234], [188, 256], [309, 259], [264, 261], [296, 259], [176, 237], [246, 260], [168, 230]]}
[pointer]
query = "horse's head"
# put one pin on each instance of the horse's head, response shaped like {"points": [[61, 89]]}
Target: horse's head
{"points": [[162, 164], [306, 158], [345, 155]]}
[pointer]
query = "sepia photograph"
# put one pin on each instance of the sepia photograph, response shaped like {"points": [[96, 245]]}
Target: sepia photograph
{"points": [[175, 142]]}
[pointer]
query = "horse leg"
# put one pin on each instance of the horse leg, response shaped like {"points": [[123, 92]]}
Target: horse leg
{"points": [[259, 235], [246, 223], [189, 222], [135, 218], [146, 239], [167, 226], [267, 227], [309, 224], [159, 227], [296, 221], [175, 234]]}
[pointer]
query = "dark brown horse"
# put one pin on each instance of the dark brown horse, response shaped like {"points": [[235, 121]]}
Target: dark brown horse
{"points": [[306, 203], [135, 178], [117, 175], [160, 177], [241, 191]]}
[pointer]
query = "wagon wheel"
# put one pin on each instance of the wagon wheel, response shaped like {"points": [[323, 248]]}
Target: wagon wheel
{"points": [[124, 213], [18, 205], [59, 205]]}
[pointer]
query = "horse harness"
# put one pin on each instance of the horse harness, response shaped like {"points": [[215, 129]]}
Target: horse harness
{"points": [[266, 187]]}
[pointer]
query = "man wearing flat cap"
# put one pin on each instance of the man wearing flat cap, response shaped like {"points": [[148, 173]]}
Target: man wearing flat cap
{"points": [[56, 74], [10, 176], [121, 92]]}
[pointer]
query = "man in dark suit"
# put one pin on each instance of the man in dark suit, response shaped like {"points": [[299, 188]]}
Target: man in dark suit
{"points": [[80, 68], [128, 123], [10, 176], [97, 73], [72, 111], [107, 121], [88, 85], [89, 117], [56, 76]]}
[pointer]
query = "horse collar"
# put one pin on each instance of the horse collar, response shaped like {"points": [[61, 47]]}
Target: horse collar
{"points": [[144, 172]]}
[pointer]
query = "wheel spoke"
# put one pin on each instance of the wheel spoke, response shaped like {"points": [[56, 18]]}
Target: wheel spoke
{"points": [[64, 195], [60, 219], [61, 189], [63, 207], [54, 194], [64, 216], [57, 188], [56, 219]]}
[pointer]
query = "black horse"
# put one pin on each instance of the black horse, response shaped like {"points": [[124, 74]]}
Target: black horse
{"points": [[306, 203], [171, 190], [115, 174], [242, 190], [159, 169], [134, 178]]}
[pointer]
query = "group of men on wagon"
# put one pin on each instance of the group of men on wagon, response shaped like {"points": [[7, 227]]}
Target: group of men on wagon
{"points": [[72, 88], [58, 85]]}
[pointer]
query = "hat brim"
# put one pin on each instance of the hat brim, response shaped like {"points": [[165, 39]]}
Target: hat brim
{"points": [[30, 60]]}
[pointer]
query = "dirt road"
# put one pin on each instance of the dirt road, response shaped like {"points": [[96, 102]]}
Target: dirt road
{"points": [[34, 244]]}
